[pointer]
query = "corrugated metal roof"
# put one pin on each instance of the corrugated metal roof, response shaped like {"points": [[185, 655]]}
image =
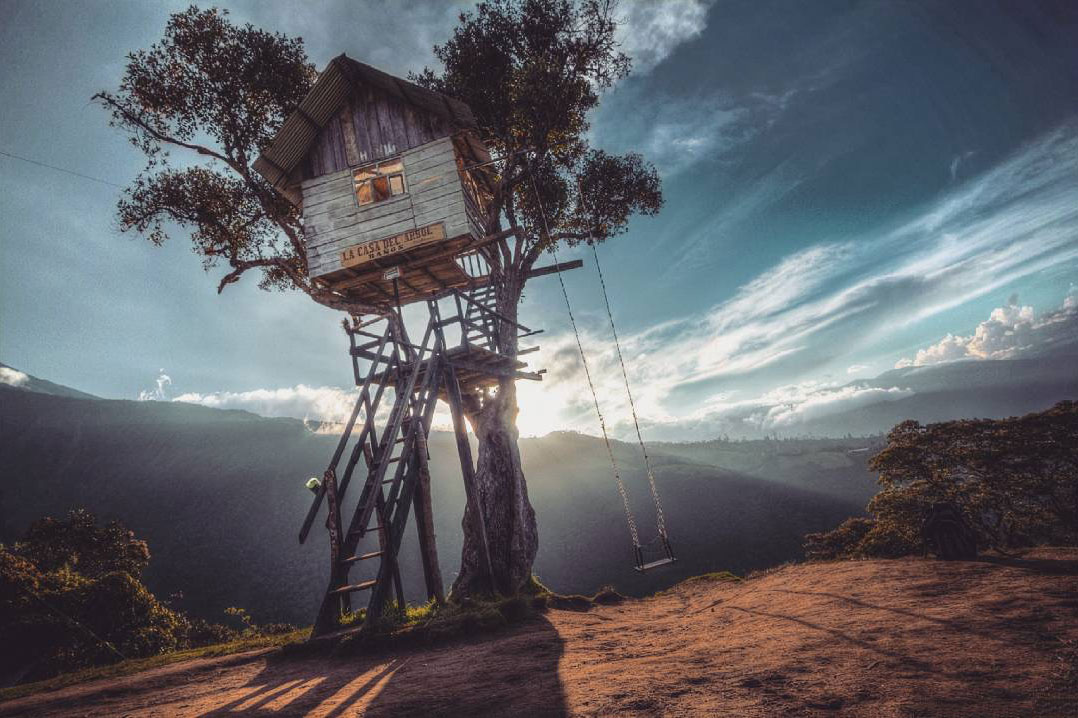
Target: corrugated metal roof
{"points": [[332, 89]]}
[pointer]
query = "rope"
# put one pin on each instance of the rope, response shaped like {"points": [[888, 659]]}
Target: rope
{"points": [[659, 518], [587, 374]]}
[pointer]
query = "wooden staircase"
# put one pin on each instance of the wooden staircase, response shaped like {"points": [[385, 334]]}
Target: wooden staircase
{"points": [[392, 450]]}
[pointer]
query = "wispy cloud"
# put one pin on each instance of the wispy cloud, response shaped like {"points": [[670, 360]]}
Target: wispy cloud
{"points": [[677, 132], [650, 31], [836, 301], [160, 390], [830, 302]]}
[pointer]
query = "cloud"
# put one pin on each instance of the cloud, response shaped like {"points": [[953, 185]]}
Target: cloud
{"points": [[324, 404], [160, 390], [971, 242], [677, 132], [957, 162], [13, 377], [786, 410], [801, 403], [832, 302], [1010, 332], [650, 31], [856, 368]]}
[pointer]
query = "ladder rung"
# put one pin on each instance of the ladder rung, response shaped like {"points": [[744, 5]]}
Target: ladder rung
{"points": [[361, 586], [363, 557]]}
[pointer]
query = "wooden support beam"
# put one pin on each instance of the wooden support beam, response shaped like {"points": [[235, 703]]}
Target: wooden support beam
{"points": [[493, 370], [555, 268], [467, 468], [388, 556], [424, 521], [336, 601], [433, 277]]}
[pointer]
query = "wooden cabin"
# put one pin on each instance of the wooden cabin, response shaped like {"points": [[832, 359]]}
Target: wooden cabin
{"points": [[392, 180]]}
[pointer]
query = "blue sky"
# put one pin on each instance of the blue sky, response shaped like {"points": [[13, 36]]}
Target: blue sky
{"points": [[850, 186]]}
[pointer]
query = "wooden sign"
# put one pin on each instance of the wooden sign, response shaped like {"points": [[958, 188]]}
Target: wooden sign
{"points": [[362, 253]]}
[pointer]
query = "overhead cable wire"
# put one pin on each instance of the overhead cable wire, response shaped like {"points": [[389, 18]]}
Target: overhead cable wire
{"points": [[59, 169]]}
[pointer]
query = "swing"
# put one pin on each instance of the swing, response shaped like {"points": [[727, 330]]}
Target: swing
{"points": [[660, 545]]}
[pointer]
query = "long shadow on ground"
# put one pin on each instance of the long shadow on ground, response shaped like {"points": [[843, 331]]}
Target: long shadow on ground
{"points": [[470, 678]]}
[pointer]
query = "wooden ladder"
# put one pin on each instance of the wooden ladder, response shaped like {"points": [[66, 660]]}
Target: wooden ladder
{"points": [[394, 461]]}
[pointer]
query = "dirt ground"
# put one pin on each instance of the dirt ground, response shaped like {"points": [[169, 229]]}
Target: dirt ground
{"points": [[992, 638]]}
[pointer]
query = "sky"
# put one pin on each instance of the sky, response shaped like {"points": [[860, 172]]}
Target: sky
{"points": [[850, 187]]}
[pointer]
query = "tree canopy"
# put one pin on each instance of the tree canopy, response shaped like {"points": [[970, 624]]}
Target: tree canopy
{"points": [[1015, 481], [532, 70], [215, 94], [71, 596]]}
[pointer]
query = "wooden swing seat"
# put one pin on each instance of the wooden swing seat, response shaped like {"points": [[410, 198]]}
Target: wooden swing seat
{"points": [[655, 564]]}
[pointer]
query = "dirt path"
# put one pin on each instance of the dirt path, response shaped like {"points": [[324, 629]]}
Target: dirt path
{"points": [[874, 638]]}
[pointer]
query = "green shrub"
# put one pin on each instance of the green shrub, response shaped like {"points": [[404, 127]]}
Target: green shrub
{"points": [[841, 542], [70, 598], [1015, 481]]}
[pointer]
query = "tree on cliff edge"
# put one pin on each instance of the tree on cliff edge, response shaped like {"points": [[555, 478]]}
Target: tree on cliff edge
{"points": [[531, 70]]}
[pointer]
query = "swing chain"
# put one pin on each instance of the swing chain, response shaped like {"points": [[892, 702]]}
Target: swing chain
{"points": [[587, 375], [659, 517]]}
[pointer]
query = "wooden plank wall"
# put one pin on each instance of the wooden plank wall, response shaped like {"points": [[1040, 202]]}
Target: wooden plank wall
{"points": [[371, 127], [332, 220]]}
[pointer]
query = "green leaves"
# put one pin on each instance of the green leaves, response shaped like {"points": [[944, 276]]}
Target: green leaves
{"points": [[532, 70], [216, 93], [210, 77], [1015, 481], [78, 543]]}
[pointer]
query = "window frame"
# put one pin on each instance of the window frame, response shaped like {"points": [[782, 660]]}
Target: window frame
{"points": [[375, 172]]}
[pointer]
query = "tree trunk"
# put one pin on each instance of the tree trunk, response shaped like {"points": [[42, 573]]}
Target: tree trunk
{"points": [[512, 535]]}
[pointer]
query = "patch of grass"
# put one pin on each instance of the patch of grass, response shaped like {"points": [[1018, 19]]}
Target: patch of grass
{"points": [[572, 602], [137, 665], [714, 576], [607, 596], [770, 570], [533, 587], [430, 623]]}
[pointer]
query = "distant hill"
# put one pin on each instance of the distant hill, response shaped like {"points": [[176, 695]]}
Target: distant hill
{"points": [[15, 379], [219, 497], [957, 390]]}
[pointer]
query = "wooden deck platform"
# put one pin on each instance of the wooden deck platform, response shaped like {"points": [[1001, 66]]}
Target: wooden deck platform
{"points": [[475, 367], [424, 271]]}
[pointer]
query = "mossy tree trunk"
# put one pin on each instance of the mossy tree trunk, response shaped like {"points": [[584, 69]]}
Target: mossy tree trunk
{"points": [[511, 530]]}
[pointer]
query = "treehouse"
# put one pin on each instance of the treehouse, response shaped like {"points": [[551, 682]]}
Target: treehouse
{"points": [[392, 182], [394, 186]]}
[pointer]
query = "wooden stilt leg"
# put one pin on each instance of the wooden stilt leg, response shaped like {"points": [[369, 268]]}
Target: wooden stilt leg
{"points": [[467, 468], [424, 514]]}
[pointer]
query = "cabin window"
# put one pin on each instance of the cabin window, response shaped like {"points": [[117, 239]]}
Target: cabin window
{"points": [[379, 182]]}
